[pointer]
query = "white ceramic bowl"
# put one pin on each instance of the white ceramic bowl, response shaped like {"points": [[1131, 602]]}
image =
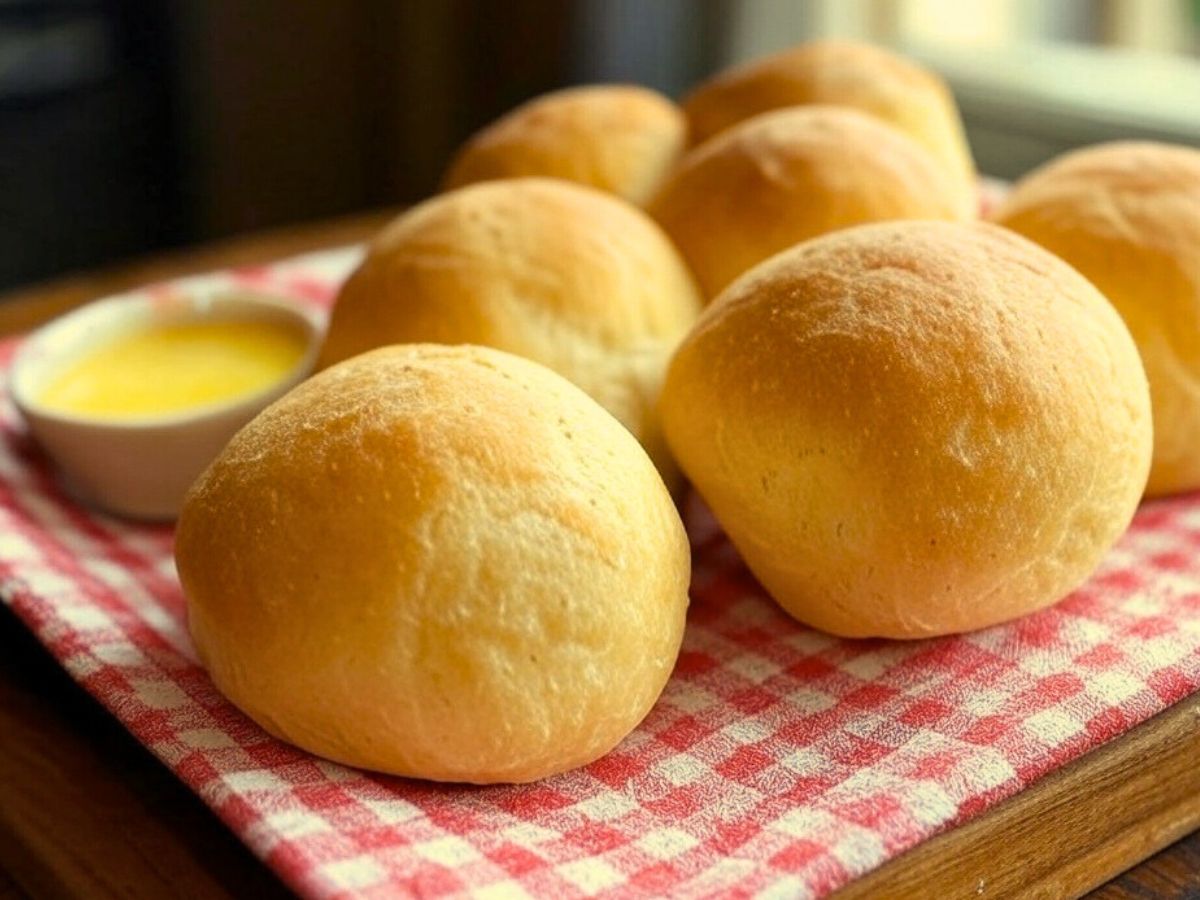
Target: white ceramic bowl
{"points": [[143, 467]]}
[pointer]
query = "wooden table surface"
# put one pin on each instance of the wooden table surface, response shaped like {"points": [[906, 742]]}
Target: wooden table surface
{"points": [[86, 811]]}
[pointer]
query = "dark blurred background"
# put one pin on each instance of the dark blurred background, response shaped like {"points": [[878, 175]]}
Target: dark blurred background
{"points": [[132, 126]]}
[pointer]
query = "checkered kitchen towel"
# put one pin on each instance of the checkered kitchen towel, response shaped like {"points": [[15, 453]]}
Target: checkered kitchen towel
{"points": [[779, 760]]}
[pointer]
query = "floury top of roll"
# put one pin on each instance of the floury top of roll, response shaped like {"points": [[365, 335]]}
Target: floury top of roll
{"points": [[562, 274], [873, 80], [442, 562], [912, 429], [791, 174], [618, 138]]}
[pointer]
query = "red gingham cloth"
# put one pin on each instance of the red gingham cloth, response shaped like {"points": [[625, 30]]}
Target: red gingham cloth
{"points": [[779, 761]]}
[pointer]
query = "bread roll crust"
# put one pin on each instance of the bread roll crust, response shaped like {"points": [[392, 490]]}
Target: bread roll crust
{"points": [[561, 274], [617, 138], [789, 175], [913, 429], [1127, 216], [442, 562], [840, 73]]}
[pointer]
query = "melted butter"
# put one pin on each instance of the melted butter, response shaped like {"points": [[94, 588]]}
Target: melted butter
{"points": [[170, 369]]}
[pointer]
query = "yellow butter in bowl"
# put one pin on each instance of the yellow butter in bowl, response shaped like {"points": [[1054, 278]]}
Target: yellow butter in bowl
{"points": [[132, 397], [169, 369]]}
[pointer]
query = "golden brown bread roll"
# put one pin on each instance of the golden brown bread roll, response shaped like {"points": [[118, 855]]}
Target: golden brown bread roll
{"points": [[913, 428], [442, 562], [615, 137], [562, 274], [793, 174], [1127, 216], [841, 73]]}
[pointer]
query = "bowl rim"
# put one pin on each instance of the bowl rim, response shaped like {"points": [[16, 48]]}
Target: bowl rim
{"points": [[181, 306]]}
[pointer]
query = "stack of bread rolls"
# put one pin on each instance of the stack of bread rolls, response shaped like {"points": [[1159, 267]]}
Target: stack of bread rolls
{"points": [[454, 553]]}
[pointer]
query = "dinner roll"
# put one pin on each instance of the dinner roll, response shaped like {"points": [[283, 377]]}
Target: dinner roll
{"points": [[441, 562], [913, 428], [789, 175], [842, 73], [1127, 215], [615, 137], [562, 274]]}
